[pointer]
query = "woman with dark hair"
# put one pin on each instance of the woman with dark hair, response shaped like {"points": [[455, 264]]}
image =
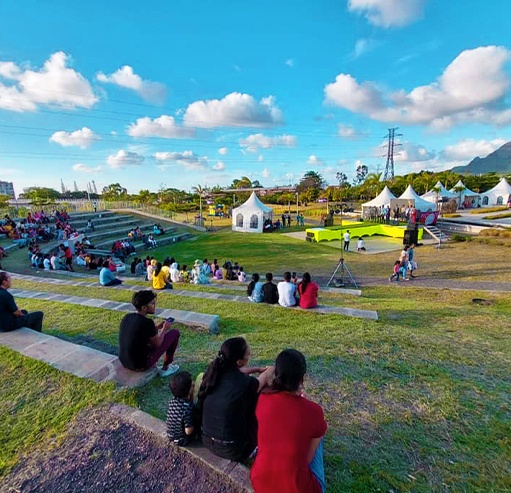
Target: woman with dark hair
{"points": [[159, 278], [255, 289], [227, 399], [290, 434], [308, 291]]}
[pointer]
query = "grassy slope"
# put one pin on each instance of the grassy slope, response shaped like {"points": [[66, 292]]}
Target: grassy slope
{"points": [[418, 401]]}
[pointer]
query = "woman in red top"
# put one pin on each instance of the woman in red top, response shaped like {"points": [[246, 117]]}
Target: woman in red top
{"points": [[308, 292], [290, 433]]}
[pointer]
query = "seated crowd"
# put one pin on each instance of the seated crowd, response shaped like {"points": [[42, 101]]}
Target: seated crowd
{"points": [[236, 414]]}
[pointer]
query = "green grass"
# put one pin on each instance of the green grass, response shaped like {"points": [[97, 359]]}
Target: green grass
{"points": [[419, 401], [37, 402]]}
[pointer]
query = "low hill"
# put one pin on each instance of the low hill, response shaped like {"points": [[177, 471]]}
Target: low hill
{"points": [[498, 161]]}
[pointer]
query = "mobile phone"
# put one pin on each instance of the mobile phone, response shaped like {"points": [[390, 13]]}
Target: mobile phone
{"points": [[293, 275], [170, 319]]}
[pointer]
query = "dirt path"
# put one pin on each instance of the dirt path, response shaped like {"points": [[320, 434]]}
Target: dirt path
{"points": [[104, 454]]}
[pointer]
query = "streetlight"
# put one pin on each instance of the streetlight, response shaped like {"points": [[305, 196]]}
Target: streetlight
{"points": [[296, 204]]}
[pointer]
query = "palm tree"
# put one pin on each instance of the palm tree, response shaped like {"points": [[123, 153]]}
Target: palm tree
{"points": [[200, 192]]}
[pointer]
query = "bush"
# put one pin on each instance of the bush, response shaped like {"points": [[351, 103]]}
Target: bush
{"points": [[496, 233], [484, 210], [460, 237]]}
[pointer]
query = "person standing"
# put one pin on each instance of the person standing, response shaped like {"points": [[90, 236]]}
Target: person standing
{"points": [[11, 317], [68, 256], [142, 342], [347, 239], [286, 290]]}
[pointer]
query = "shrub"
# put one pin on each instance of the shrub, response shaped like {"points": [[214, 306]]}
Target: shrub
{"points": [[459, 237]]}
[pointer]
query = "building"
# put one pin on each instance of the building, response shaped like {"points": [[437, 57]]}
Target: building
{"points": [[7, 188]]}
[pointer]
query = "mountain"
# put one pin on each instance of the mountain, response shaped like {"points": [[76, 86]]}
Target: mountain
{"points": [[498, 161]]}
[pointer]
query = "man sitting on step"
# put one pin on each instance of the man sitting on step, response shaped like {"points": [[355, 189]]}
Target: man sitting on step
{"points": [[142, 342], [11, 317]]}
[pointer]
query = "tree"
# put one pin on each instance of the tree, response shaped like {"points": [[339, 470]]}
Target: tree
{"points": [[342, 178], [41, 194], [114, 191], [361, 174], [372, 186], [311, 185], [245, 182], [256, 184]]}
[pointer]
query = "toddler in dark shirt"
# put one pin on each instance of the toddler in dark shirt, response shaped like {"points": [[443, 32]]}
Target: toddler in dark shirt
{"points": [[180, 412]]}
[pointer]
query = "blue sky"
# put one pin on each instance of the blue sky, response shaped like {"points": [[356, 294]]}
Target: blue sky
{"points": [[180, 93]]}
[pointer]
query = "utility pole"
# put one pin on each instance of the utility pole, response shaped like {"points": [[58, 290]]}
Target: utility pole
{"points": [[388, 174]]}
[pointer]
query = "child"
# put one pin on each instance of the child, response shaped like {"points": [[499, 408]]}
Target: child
{"points": [[397, 271], [242, 277], [180, 422]]}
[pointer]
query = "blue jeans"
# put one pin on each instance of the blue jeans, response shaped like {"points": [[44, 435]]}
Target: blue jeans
{"points": [[317, 466]]}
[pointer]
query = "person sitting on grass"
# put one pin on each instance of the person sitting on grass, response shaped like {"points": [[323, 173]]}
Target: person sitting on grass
{"points": [[159, 278], [180, 413], [308, 291], [290, 433], [107, 277], [286, 290], [270, 293], [184, 275], [227, 399], [242, 277], [11, 317], [255, 289], [142, 342]]}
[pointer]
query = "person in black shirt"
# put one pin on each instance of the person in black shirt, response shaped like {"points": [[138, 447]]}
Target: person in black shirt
{"points": [[270, 292], [227, 400], [142, 342], [11, 317]]}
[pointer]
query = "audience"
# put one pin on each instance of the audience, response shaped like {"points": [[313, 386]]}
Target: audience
{"points": [[290, 433], [308, 291], [270, 292], [227, 399], [107, 277], [255, 289], [286, 290]]}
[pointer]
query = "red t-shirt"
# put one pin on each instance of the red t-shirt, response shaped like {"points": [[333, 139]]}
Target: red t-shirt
{"points": [[309, 299], [286, 425]]}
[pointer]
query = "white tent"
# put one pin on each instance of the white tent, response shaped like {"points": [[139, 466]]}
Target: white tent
{"points": [[250, 216], [432, 195], [372, 209], [414, 199], [498, 195], [466, 196]]}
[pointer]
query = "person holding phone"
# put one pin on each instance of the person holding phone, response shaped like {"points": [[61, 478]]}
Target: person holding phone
{"points": [[142, 342]]}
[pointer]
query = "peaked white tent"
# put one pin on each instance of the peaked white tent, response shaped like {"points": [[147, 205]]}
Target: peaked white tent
{"points": [[384, 198], [414, 199], [466, 197], [372, 208], [432, 195], [498, 195], [250, 216]]}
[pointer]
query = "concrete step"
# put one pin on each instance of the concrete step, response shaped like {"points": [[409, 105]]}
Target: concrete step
{"points": [[78, 360]]}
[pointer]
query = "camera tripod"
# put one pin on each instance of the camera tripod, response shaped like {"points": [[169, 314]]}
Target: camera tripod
{"points": [[344, 271]]}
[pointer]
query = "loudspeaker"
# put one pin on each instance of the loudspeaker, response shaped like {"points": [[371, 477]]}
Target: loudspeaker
{"points": [[411, 236]]}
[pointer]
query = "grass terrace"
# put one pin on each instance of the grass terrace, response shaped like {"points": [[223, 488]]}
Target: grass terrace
{"points": [[418, 401]]}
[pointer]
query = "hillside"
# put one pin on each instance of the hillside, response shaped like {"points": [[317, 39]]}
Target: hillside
{"points": [[498, 161]]}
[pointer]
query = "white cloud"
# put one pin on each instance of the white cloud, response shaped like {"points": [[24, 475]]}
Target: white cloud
{"points": [[363, 46], [80, 138], [315, 160], [125, 77], [233, 110], [54, 83], [266, 173], [349, 132], [470, 148], [290, 62], [413, 153], [188, 159], [259, 141], [124, 158], [388, 13], [222, 151], [472, 88], [260, 158], [219, 166], [83, 168], [163, 126]]}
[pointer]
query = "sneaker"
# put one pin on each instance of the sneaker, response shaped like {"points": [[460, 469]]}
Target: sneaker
{"points": [[172, 368]]}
